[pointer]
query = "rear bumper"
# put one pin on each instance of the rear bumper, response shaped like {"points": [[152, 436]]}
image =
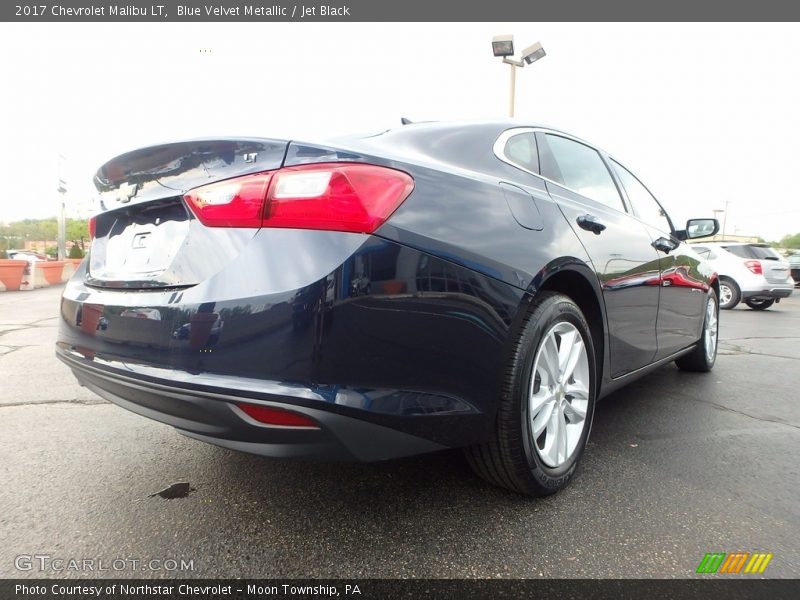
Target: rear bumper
{"points": [[771, 292], [391, 350], [209, 412]]}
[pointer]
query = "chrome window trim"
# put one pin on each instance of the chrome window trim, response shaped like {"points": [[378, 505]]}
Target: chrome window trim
{"points": [[500, 146], [499, 152], [652, 195]]}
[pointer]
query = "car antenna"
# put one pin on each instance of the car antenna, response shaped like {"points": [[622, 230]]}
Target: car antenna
{"points": [[406, 121]]}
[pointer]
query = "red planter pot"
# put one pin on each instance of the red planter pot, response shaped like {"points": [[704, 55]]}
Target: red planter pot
{"points": [[11, 272], [51, 270]]}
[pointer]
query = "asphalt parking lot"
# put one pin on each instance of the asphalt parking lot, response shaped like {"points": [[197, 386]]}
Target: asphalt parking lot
{"points": [[677, 465]]}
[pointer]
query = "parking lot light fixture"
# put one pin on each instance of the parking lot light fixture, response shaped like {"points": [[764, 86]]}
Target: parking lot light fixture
{"points": [[533, 53], [503, 46]]}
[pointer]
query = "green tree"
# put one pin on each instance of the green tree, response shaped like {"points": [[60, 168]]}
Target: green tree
{"points": [[14, 235], [791, 241], [78, 231]]}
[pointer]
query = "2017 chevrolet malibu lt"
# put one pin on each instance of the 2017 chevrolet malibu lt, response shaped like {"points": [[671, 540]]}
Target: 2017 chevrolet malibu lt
{"points": [[439, 285]]}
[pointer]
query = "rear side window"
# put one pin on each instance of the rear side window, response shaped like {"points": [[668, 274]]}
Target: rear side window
{"points": [[644, 203], [521, 149], [580, 168], [740, 251], [758, 252], [706, 253], [764, 252]]}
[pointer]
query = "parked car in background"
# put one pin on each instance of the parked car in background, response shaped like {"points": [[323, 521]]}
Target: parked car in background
{"points": [[434, 286], [751, 273], [794, 266], [28, 255]]}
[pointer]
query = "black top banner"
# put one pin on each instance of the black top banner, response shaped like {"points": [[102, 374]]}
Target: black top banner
{"points": [[399, 10]]}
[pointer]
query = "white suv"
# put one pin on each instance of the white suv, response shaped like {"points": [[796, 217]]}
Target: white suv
{"points": [[752, 273]]}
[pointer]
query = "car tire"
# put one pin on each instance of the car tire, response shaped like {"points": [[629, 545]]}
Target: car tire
{"points": [[729, 293], [760, 304], [704, 355], [544, 390]]}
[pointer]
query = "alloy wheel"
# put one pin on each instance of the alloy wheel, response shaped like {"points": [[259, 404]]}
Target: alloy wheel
{"points": [[559, 394], [725, 294], [711, 329]]}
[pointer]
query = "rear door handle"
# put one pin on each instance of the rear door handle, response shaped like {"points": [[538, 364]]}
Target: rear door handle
{"points": [[590, 223]]}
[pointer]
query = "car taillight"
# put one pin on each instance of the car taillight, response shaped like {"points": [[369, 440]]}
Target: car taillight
{"points": [[235, 202], [276, 416], [92, 227], [754, 266], [335, 197]]}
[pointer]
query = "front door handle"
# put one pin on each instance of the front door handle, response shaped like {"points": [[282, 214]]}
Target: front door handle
{"points": [[665, 245], [590, 223]]}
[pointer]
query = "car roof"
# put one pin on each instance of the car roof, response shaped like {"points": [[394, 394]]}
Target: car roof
{"points": [[758, 244], [500, 125], [459, 143]]}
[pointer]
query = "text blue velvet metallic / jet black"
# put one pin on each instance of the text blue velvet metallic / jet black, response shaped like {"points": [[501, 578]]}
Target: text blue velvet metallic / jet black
{"points": [[395, 342]]}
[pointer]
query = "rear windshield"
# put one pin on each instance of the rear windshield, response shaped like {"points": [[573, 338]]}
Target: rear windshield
{"points": [[750, 251]]}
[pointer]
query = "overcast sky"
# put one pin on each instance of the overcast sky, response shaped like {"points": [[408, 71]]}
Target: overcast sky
{"points": [[705, 114]]}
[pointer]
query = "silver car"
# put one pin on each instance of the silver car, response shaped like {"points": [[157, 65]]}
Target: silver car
{"points": [[751, 273], [794, 265]]}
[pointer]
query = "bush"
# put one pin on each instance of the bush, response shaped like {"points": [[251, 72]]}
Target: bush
{"points": [[52, 252], [75, 251]]}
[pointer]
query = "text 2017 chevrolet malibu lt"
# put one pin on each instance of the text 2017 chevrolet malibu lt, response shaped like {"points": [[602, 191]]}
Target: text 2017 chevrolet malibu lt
{"points": [[474, 285]]}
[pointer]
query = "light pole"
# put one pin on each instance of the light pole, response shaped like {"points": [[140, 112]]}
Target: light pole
{"points": [[503, 46], [716, 212], [725, 219], [62, 221]]}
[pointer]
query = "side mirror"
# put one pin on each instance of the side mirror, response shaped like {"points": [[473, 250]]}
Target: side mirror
{"points": [[698, 228]]}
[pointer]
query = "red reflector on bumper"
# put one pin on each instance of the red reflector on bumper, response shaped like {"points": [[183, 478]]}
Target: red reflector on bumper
{"points": [[276, 416]]}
